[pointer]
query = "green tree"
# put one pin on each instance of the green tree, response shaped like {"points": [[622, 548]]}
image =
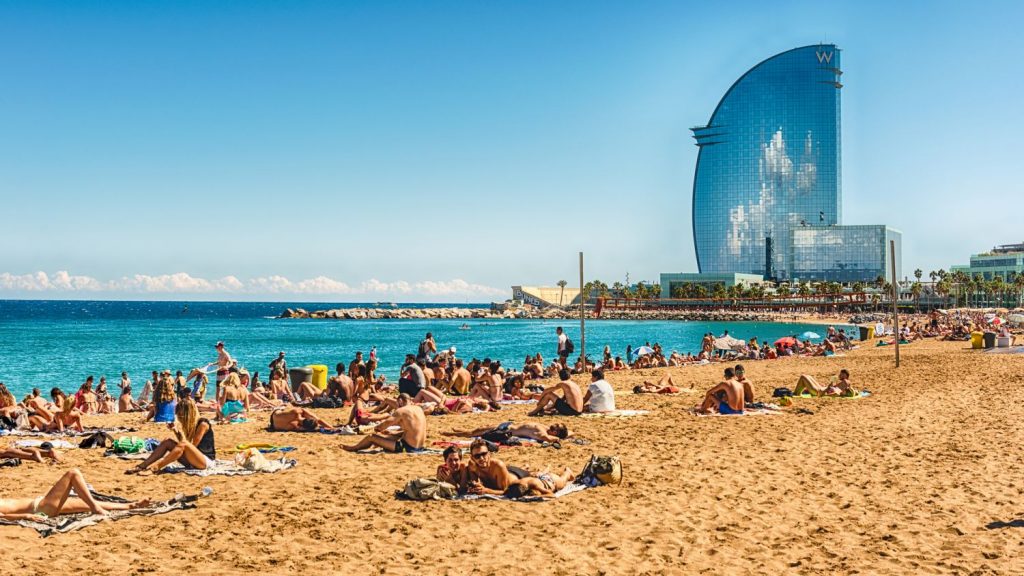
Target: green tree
{"points": [[718, 292], [561, 295], [915, 291], [918, 273], [700, 291]]}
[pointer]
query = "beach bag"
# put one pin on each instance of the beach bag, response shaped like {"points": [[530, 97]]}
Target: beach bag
{"points": [[97, 440], [129, 445], [428, 489], [253, 459], [605, 469], [782, 392]]}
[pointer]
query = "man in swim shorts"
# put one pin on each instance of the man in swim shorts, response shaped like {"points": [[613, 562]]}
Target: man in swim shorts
{"points": [[412, 434], [808, 384], [569, 404], [295, 419], [726, 397]]}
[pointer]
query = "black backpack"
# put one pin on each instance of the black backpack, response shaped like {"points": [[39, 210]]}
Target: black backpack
{"points": [[569, 347]]}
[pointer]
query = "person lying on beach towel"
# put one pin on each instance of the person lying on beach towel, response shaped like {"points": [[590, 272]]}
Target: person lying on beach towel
{"points": [[31, 453], [544, 484], [192, 445], [296, 419], [570, 403], [58, 500], [842, 387], [664, 386], [529, 430], [726, 397], [412, 434]]}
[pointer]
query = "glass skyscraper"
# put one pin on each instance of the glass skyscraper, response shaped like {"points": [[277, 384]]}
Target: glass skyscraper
{"points": [[768, 166]]}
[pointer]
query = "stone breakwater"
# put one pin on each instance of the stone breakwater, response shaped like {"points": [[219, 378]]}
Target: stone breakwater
{"points": [[544, 314]]}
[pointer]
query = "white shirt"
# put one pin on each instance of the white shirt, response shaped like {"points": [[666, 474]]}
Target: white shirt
{"points": [[602, 397], [561, 341]]}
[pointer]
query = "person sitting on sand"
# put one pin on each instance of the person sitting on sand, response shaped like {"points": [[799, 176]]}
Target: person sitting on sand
{"points": [[544, 484], [305, 393], [808, 384], [530, 430], [340, 386], [570, 403], [295, 419], [600, 396], [69, 418], [360, 416], [192, 446], [30, 453], [58, 500], [126, 403], [105, 403], [453, 469], [85, 398], [412, 434], [461, 379], [664, 386], [279, 387], [726, 397], [163, 406], [748, 386], [485, 474], [234, 399]]}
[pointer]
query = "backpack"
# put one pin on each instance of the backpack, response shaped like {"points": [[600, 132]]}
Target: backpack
{"points": [[604, 469], [128, 445], [569, 347], [781, 392], [428, 489]]}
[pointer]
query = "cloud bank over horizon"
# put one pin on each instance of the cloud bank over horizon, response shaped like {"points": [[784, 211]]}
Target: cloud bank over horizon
{"points": [[182, 284]]}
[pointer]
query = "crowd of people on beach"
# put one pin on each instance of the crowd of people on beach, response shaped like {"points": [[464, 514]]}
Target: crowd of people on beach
{"points": [[393, 416]]}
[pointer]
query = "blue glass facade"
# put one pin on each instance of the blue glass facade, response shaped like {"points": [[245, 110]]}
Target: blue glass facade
{"points": [[769, 162], [844, 253]]}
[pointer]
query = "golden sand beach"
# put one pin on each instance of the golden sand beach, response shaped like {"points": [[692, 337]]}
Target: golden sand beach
{"points": [[922, 477]]}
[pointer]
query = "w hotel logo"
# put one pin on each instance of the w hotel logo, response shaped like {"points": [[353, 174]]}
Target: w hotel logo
{"points": [[824, 57]]}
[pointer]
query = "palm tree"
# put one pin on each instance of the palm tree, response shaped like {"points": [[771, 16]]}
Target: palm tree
{"points": [[918, 273], [915, 291], [699, 291], [561, 284], [719, 291]]}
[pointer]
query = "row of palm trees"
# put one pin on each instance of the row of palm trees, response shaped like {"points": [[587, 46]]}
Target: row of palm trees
{"points": [[955, 288]]}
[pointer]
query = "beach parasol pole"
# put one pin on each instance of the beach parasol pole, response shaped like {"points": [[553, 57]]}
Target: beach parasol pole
{"points": [[583, 334], [895, 298]]}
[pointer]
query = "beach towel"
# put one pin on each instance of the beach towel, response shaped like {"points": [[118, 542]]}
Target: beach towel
{"points": [[570, 488], [863, 394], [230, 468], [515, 402], [265, 448], [86, 432], [420, 452], [62, 444], [615, 414], [341, 431], [748, 412], [64, 523], [125, 456]]}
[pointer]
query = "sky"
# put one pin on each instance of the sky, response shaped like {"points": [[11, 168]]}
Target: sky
{"points": [[444, 151]]}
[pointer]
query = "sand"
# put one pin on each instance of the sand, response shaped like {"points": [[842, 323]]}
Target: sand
{"points": [[922, 477]]}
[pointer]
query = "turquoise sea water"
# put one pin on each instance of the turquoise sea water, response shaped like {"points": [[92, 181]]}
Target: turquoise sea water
{"points": [[59, 343]]}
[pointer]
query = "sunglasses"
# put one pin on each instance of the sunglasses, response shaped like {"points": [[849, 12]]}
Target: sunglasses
{"points": [[480, 455]]}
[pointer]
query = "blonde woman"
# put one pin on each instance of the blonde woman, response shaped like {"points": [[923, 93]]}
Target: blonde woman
{"points": [[8, 403], [67, 418], [192, 446]]}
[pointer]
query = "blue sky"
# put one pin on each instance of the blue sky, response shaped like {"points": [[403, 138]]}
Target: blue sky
{"points": [[446, 150]]}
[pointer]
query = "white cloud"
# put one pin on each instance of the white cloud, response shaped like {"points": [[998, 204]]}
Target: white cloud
{"points": [[63, 282]]}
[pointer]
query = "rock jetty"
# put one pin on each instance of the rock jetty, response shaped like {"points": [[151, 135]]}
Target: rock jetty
{"points": [[522, 313]]}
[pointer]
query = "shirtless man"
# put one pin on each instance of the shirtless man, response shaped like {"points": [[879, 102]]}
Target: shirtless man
{"points": [[569, 404], [461, 379], [485, 474], [295, 419], [412, 434], [748, 386], [532, 430], [664, 386], [544, 483], [224, 362], [353, 367], [726, 397], [340, 386], [843, 387]]}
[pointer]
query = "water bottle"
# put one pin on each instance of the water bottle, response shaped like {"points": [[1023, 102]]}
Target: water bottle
{"points": [[206, 491]]}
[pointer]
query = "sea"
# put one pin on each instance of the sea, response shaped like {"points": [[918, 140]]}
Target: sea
{"points": [[48, 343]]}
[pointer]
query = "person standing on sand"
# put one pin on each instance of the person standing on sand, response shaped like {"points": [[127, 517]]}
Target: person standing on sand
{"points": [[279, 364], [224, 362], [412, 435], [427, 347], [563, 346]]}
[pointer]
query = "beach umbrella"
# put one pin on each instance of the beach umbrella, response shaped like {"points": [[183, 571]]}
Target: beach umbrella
{"points": [[643, 351], [786, 341], [1016, 318], [810, 335], [996, 321]]}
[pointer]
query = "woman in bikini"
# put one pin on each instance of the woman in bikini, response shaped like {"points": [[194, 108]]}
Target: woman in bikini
{"points": [[68, 418], [58, 500], [192, 446]]}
